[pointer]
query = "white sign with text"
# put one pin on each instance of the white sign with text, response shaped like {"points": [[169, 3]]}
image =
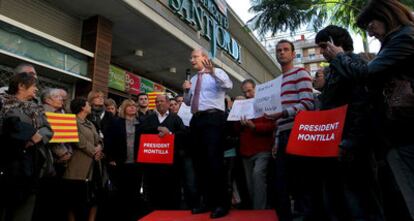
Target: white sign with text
{"points": [[242, 108], [267, 98], [185, 114]]}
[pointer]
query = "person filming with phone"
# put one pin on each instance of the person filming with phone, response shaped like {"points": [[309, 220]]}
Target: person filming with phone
{"points": [[205, 93]]}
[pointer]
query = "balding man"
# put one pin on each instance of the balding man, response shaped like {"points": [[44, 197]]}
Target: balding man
{"points": [[161, 182], [23, 67], [205, 95]]}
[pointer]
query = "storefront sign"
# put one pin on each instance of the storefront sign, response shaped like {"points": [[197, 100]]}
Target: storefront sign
{"points": [[116, 78], [159, 88], [210, 18], [317, 133], [133, 82], [156, 149], [146, 85]]}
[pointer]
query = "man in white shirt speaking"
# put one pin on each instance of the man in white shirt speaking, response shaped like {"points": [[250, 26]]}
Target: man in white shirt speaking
{"points": [[205, 95]]}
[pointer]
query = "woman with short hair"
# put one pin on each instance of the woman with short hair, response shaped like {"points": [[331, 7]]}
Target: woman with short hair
{"points": [[82, 175], [24, 132]]}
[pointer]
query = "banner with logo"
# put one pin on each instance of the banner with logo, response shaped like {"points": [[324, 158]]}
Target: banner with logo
{"points": [[317, 133], [64, 127], [146, 85], [116, 79], [133, 82], [159, 88], [267, 97], [155, 149]]}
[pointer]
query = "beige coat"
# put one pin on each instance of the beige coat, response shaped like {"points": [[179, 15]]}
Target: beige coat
{"points": [[83, 152]]}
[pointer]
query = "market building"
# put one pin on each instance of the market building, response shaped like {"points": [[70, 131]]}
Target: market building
{"points": [[123, 47]]}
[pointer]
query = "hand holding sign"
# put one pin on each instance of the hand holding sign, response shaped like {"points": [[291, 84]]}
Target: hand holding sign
{"points": [[274, 116], [163, 131], [247, 123]]}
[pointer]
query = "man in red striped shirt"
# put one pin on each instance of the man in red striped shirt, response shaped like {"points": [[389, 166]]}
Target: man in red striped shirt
{"points": [[296, 95]]}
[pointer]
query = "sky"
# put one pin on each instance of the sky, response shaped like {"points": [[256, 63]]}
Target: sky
{"points": [[241, 7]]}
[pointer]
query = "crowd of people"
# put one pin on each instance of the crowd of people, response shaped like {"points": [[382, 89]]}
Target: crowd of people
{"points": [[218, 164]]}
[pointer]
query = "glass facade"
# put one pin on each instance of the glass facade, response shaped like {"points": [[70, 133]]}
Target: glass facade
{"points": [[28, 45]]}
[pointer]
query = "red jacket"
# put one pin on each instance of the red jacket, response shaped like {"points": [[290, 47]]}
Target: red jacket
{"points": [[260, 139]]}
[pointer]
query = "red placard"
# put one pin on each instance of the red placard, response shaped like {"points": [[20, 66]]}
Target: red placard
{"points": [[156, 149], [134, 83], [317, 133]]}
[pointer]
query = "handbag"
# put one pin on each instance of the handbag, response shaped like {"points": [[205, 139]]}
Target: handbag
{"points": [[399, 97]]}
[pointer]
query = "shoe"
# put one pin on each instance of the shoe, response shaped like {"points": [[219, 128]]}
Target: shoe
{"points": [[198, 210], [219, 212]]}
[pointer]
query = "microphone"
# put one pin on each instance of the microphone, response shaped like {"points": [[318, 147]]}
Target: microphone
{"points": [[188, 74]]}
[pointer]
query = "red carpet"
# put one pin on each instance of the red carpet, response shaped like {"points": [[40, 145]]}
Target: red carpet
{"points": [[234, 215]]}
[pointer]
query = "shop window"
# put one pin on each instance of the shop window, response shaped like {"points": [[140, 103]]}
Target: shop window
{"points": [[21, 43]]}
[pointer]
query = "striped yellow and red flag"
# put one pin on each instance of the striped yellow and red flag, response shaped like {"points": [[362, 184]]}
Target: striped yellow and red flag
{"points": [[151, 99], [64, 127]]}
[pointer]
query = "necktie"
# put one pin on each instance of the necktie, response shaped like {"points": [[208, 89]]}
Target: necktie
{"points": [[197, 90]]}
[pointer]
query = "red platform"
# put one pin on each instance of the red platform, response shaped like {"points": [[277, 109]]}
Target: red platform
{"points": [[234, 215]]}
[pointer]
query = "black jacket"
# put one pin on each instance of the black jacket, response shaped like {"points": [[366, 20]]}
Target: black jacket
{"points": [[338, 91], [396, 57], [116, 143], [101, 125], [173, 122]]}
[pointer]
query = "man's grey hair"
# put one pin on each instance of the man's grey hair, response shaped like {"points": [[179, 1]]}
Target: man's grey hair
{"points": [[48, 93], [203, 52], [165, 96], [20, 67]]}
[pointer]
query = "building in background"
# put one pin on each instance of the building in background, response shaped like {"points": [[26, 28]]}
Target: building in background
{"points": [[123, 47], [308, 53]]}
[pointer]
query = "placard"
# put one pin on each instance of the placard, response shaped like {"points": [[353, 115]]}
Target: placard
{"points": [[267, 98], [317, 133], [242, 108], [185, 114], [155, 149]]}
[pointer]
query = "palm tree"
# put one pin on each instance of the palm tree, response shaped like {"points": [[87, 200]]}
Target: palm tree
{"points": [[281, 15]]}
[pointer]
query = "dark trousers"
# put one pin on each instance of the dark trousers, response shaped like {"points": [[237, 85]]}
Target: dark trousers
{"points": [[162, 189], [126, 203], [401, 164], [300, 179], [207, 131]]}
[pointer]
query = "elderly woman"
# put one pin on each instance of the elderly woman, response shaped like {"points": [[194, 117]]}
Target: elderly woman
{"points": [[122, 149], [81, 173], [391, 74], [24, 132]]}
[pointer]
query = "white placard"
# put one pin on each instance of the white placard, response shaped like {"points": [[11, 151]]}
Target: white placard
{"points": [[242, 108], [267, 97], [185, 114]]}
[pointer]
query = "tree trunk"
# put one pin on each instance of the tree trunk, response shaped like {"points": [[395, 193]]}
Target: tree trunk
{"points": [[365, 42]]}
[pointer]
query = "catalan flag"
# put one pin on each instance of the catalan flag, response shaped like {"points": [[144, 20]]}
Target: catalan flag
{"points": [[152, 96], [64, 127]]}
